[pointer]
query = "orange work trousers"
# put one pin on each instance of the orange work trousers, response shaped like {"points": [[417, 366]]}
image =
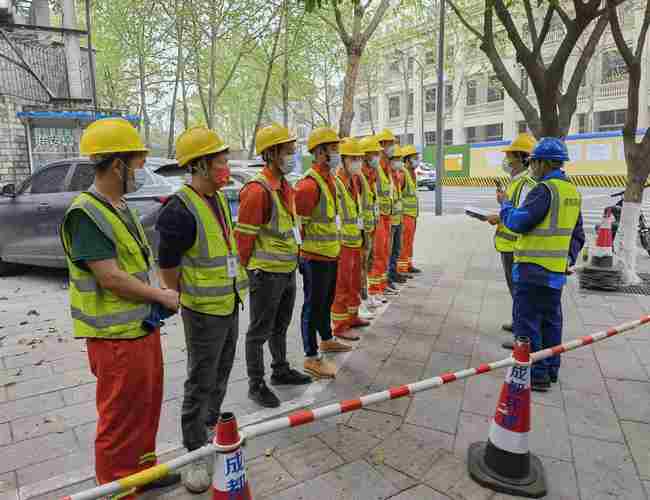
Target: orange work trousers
{"points": [[378, 275], [347, 300], [405, 261], [129, 396]]}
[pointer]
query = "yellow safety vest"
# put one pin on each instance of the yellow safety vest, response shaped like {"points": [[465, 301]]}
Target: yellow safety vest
{"points": [[275, 249], [548, 244], [321, 232], [98, 312], [384, 191], [369, 208], [396, 215], [410, 196], [352, 221], [504, 238], [205, 285]]}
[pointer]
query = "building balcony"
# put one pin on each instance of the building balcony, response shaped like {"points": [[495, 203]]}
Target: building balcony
{"points": [[613, 90], [486, 108]]}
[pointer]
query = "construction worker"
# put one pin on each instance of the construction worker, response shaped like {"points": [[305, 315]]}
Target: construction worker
{"points": [[378, 276], [316, 204], [266, 238], [551, 236], [370, 211], [516, 166], [198, 257], [397, 173], [113, 306], [345, 309], [410, 211]]}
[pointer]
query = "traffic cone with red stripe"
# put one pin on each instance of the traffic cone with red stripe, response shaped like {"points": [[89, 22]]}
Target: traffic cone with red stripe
{"points": [[602, 255], [229, 474], [504, 463]]}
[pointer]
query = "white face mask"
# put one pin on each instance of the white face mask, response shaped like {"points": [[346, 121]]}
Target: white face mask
{"points": [[506, 167], [355, 166], [389, 150], [374, 162], [288, 164], [334, 160], [396, 164]]}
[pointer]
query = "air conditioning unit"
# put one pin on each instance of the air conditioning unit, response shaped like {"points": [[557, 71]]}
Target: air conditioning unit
{"points": [[7, 11]]}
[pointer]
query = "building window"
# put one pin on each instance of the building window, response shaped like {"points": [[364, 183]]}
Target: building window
{"points": [[449, 96], [430, 137], [614, 67], [410, 64], [611, 120], [393, 107], [410, 105], [582, 123], [522, 127], [430, 99], [472, 93], [394, 68], [471, 135], [449, 137], [495, 89], [523, 80], [428, 57], [366, 108], [494, 132], [406, 139]]}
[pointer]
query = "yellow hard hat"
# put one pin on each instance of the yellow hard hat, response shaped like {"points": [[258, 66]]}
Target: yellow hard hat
{"points": [[397, 152], [322, 135], [272, 135], [408, 150], [523, 143], [196, 142], [110, 135], [370, 144], [385, 135], [350, 147]]}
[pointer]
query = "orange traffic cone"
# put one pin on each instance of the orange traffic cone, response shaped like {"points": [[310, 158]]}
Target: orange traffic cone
{"points": [[602, 255], [504, 463], [229, 474]]}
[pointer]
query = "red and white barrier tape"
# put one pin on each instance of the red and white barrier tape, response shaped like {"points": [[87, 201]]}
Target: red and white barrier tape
{"points": [[307, 416]]}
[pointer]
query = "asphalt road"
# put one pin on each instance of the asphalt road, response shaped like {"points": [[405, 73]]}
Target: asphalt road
{"points": [[454, 199]]}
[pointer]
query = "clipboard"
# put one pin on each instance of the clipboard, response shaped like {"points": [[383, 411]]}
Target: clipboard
{"points": [[478, 213]]}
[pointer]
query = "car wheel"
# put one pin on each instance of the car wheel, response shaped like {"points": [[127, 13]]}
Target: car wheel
{"points": [[9, 269], [431, 188]]}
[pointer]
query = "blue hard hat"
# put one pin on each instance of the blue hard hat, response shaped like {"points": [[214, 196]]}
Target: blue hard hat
{"points": [[550, 148]]}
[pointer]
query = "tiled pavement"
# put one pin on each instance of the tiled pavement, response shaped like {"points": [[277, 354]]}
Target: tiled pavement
{"points": [[592, 431]]}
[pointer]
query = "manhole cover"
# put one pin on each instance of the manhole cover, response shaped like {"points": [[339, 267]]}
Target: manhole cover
{"points": [[642, 288]]}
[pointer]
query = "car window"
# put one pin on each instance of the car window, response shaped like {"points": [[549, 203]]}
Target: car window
{"points": [[49, 180], [83, 177]]}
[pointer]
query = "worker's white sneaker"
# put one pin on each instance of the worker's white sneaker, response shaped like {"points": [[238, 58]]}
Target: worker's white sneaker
{"points": [[364, 313], [197, 478]]}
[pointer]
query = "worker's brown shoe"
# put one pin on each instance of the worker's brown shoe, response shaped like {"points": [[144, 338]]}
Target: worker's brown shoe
{"points": [[320, 368], [334, 345], [345, 335]]}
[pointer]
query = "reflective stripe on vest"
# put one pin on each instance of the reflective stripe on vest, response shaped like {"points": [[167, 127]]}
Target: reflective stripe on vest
{"points": [[384, 191], [205, 285], [97, 312], [548, 244], [275, 249], [410, 196], [504, 239], [368, 204], [321, 235], [350, 231], [396, 213]]}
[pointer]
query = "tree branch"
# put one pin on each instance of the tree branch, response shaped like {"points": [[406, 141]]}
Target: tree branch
{"points": [[376, 19], [562, 13], [643, 33], [523, 53], [537, 48], [464, 22], [617, 34], [343, 33], [532, 29]]}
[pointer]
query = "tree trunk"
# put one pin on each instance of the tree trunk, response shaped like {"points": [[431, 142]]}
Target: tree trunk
{"points": [[213, 75], [368, 93], [406, 98], [349, 86], [186, 109], [285, 76], [143, 100], [172, 112], [265, 90]]}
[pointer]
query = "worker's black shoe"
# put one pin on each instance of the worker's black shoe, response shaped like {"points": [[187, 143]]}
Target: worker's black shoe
{"points": [[262, 395], [399, 279], [554, 377], [507, 327], [508, 344], [289, 376], [169, 480], [541, 384], [415, 270]]}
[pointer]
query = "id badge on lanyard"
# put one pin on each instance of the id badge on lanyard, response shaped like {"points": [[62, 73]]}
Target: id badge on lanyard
{"points": [[360, 223], [338, 222], [231, 266], [296, 234]]}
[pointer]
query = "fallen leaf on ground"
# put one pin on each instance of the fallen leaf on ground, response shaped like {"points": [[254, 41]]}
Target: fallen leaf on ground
{"points": [[58, 423], [268, 452], [33, 312], [39, 362], [23, 323]]}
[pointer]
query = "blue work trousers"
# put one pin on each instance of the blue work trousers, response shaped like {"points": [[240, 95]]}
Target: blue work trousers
{"points": [[537, 315], [319, 284], [396, 248]]}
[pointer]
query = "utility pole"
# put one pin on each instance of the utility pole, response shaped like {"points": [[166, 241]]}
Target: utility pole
{"points": [[440, 130], [72, 50]]}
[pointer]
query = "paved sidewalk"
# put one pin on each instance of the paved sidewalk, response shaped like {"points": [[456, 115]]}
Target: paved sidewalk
{"points": [[592, 430]]}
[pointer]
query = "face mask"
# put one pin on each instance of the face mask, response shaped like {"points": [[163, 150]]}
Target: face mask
{"points": [[374, 162], [355, 167], [506, 167], [221, 175], [288, 164], [389, 150], [415, 163], [396, 164], [334, 160]]}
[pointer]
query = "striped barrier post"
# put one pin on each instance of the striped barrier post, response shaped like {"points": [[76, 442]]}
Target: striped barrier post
{"points": [[583, 180], [307, 416]]}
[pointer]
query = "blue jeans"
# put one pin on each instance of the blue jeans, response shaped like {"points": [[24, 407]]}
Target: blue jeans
{"points": [[319, 284], [396, 248], [537, 315]]}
